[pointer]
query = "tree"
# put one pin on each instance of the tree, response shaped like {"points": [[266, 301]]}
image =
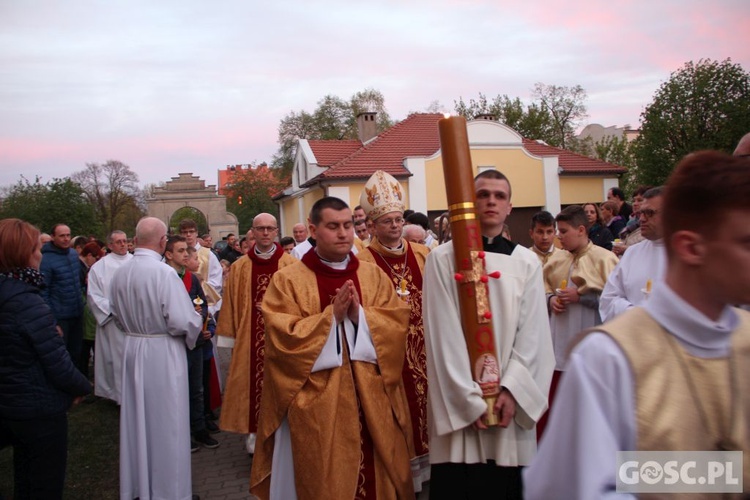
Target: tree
{"points": [[567, 107], [250, 192], [333, 119], [112, 188], [188, 213], [44, 205], [530, 121], [703, 105]]}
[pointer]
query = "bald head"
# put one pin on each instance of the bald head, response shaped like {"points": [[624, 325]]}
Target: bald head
{"points": [[151, 233], [743, 147], [299, 231]]}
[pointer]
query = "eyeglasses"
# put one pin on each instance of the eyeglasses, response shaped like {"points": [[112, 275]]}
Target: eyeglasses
{"points": [[648, 212], [265, 229], [389, 222]]}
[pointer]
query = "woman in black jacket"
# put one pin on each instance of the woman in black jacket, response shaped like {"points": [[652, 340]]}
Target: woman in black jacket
{"points": [[598, 233], [38, 381]]}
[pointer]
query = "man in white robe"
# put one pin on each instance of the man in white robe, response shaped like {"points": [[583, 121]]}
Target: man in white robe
{"points": [[154, 310], [601, 402], [461, 446], [109, 338], [642, 266]]}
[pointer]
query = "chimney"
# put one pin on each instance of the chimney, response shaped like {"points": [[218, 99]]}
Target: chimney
{"points": [[367, 127], [485, 116]]}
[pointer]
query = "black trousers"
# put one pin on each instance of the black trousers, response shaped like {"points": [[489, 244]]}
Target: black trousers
{"points": [[472, 481], [40, 451]]}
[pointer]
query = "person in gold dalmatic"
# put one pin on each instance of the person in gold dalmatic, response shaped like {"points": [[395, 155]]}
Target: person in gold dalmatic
{"points": [[240, 319], [334, 419], [403, 262]]}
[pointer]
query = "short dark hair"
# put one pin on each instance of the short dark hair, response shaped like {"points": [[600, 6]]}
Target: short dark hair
{"points": [[407, 213], [543, 218], [640, 190], [286, 240], [617, 192], [701, 188], [494, 174], [419, 219], [54, 228], [187, 224], [80, 241], [175, 238], [316, 212], [573, 215], [207, 235]]}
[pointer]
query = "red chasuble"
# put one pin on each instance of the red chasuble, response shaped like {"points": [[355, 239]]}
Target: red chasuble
{"points": [[415, 363], [262, 272]]}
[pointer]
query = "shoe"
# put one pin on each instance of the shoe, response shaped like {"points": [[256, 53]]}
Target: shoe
{"points": [[205, 439], [211, 427], [210, 415], [194, 446]]}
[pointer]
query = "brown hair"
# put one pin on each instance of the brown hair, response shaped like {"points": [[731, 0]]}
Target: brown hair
{"points": [[598, 214], [701, 188], [19, 240], [92, 248], [612, 207]]}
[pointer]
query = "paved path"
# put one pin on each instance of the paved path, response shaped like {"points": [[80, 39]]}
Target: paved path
{"points": [[224, 472]]}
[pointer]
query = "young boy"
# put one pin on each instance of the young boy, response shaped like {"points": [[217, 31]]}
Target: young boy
{"points": [[574, 278], [542, 233], [176, 255]]}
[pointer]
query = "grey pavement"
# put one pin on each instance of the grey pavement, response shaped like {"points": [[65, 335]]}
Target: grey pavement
{"points": [[223, 473]]}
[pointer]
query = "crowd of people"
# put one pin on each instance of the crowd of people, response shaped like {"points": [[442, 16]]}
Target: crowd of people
{"points": [[350, 375]]}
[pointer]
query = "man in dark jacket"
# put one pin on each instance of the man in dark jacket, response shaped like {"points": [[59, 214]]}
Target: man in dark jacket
{"points": [[62, 287]]}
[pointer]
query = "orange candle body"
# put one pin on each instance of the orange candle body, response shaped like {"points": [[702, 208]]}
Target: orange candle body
{"points": [[471, 276]]}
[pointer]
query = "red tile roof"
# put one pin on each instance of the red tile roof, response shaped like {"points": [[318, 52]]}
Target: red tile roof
{"points": [[572, 163], [417, 135], [328, 153]]}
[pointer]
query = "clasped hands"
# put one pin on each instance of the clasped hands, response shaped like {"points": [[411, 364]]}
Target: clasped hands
{"points": [[346, 303]]}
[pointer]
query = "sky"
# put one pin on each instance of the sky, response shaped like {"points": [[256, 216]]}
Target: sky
{"points": [[193, 86]]}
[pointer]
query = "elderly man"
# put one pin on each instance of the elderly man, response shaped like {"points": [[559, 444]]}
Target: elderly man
{"points": [[299, 233], [241, 326], [403, 263], [60, 268], [109, 338], [414, 233], [641, 266], [155, 312], [672, 374]]}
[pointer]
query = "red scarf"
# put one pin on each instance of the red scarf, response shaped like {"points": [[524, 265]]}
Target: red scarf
{"points": [[329, 279]]}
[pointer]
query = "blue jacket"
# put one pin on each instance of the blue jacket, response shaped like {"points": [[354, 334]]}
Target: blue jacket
{"points": [[37, 376], [62, 276]]}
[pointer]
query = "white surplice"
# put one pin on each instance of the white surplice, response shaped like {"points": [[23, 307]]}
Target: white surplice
{"points": [[109, 338], [626, 284], [594, 413], [154, 309], [524, 347]]}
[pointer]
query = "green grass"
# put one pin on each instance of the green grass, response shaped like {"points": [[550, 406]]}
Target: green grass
{"points": [[93, 454]]}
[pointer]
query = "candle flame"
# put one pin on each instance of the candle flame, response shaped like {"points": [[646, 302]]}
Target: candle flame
{"points": [[564, 284], [403, 286], [446, 115], [648, 286]]}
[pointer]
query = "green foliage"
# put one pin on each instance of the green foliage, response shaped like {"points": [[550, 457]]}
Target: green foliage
{"points": [[188, 213], [58, 200], [530, 121], [703, 105], [250, 193], [333, 118]]}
